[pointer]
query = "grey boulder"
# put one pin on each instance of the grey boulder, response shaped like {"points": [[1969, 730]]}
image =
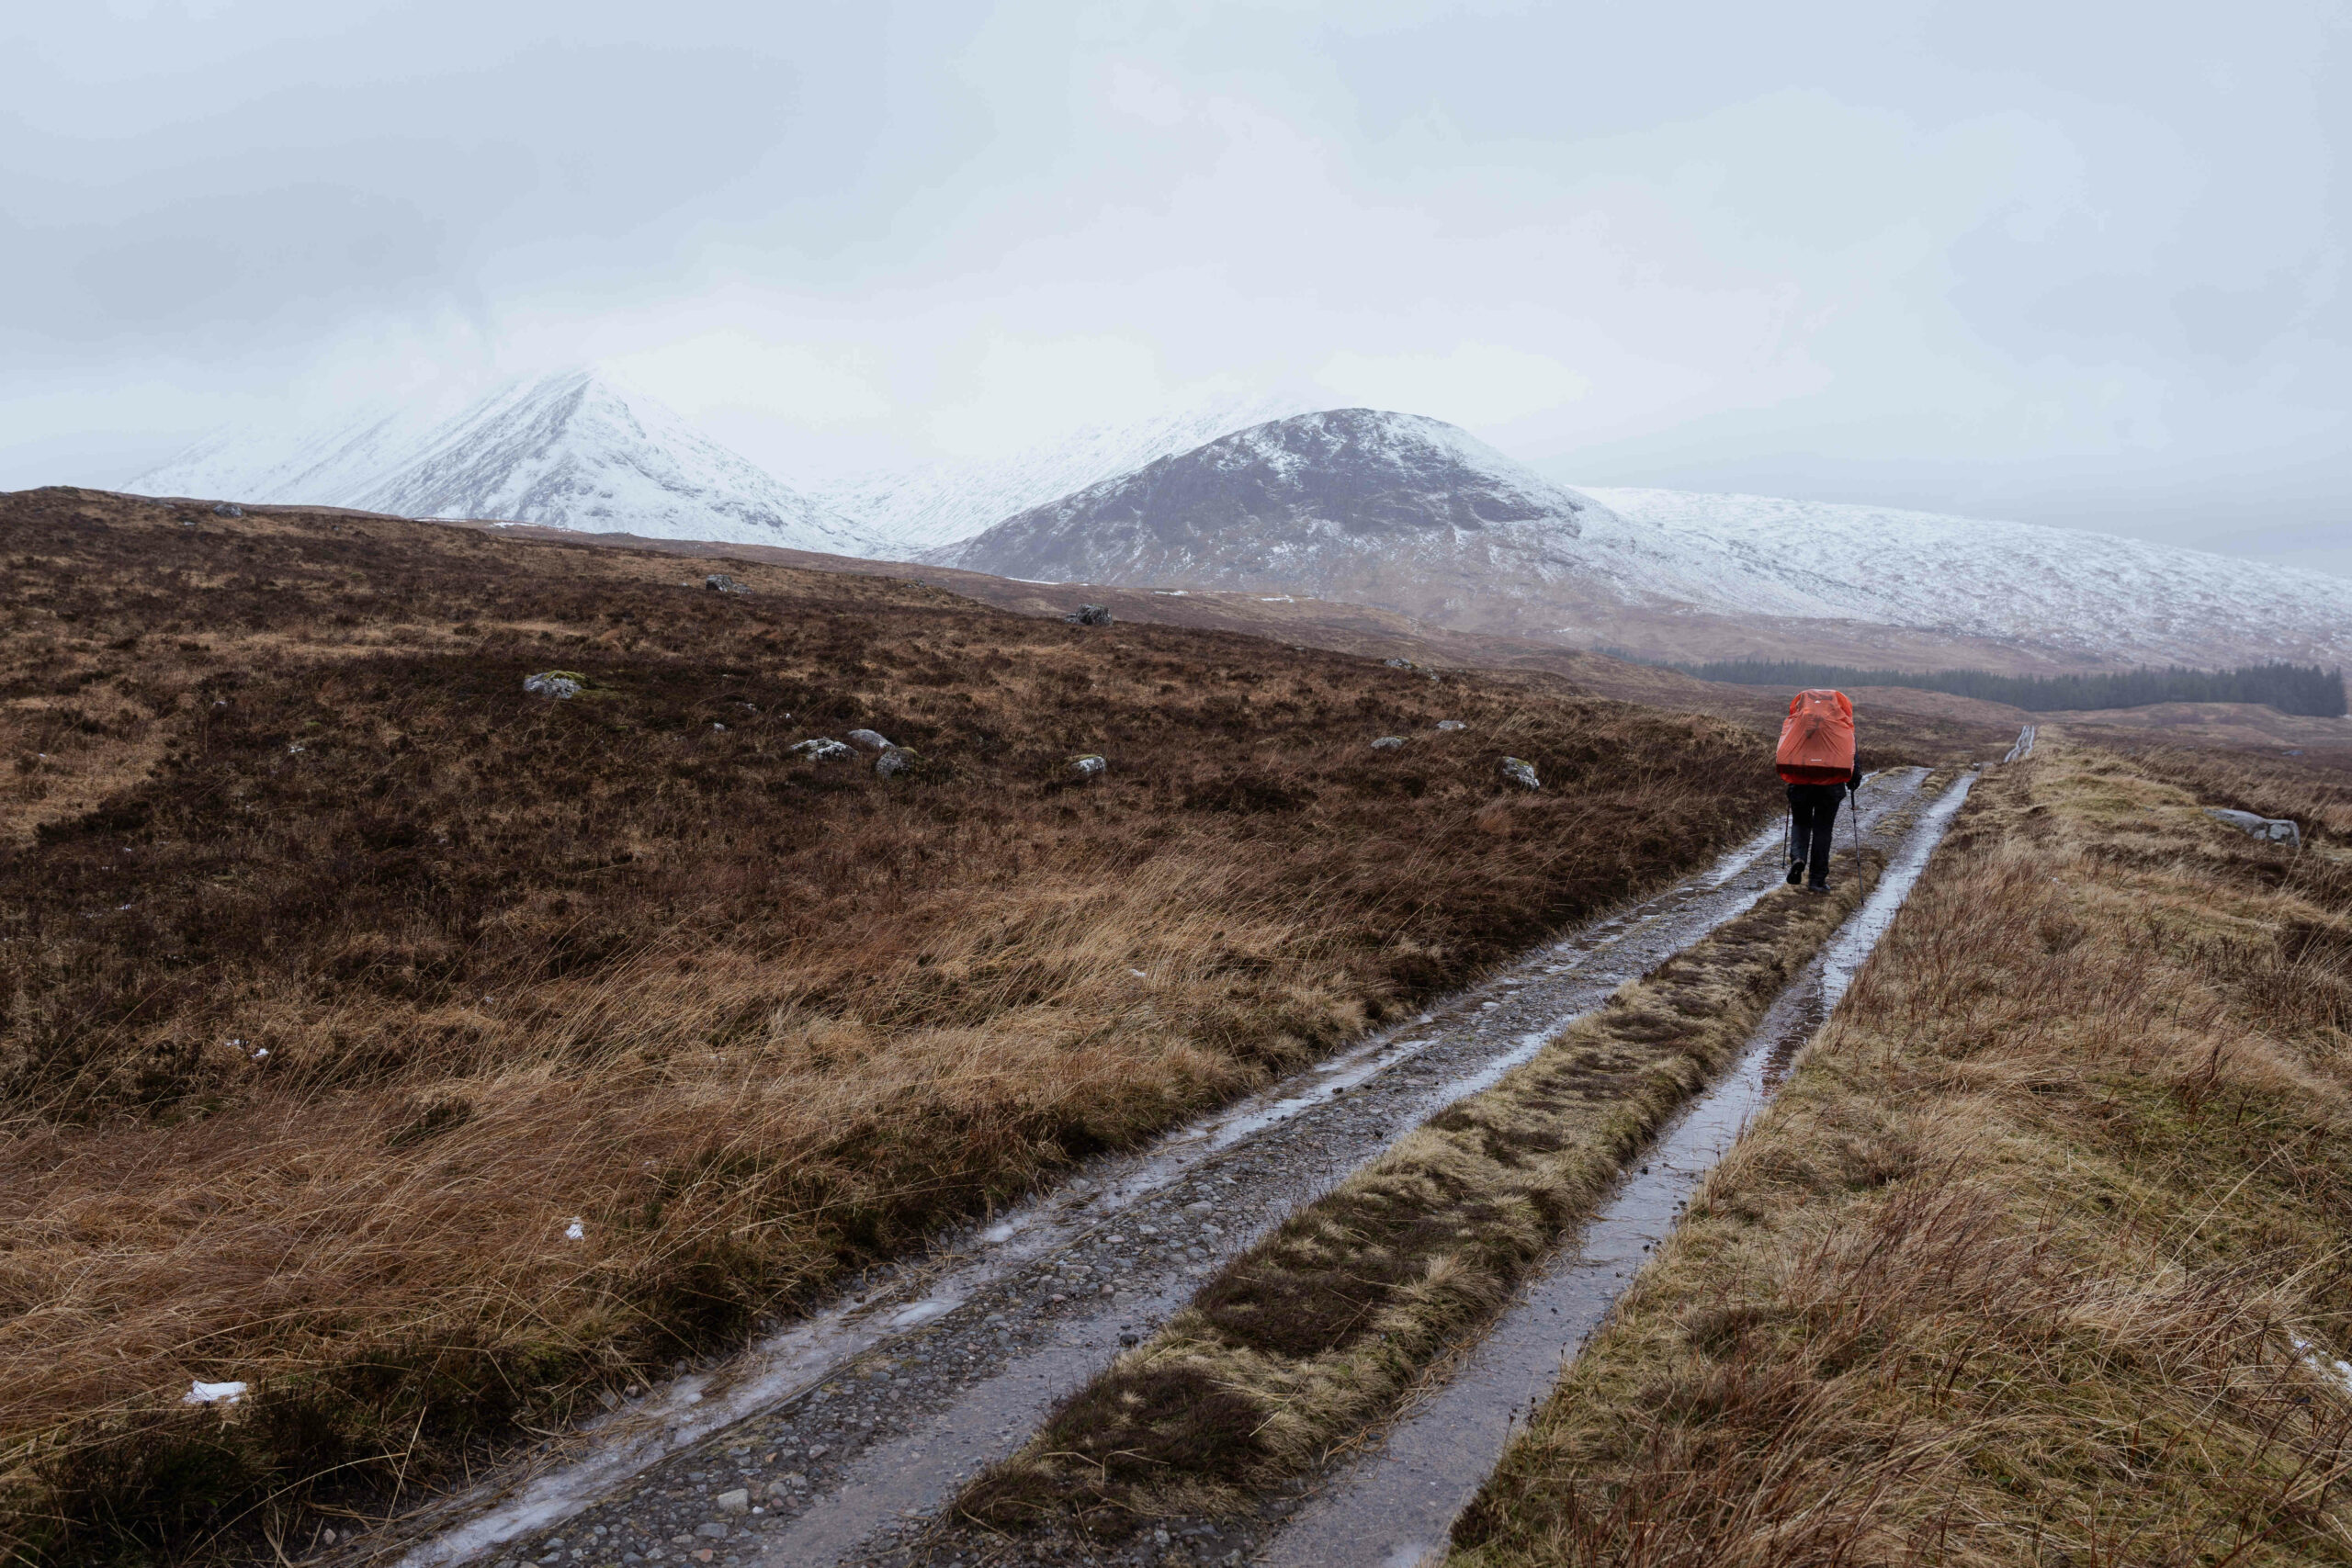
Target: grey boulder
{"points": [[720, 583], [227, 509], [1389, 743], [559, 683], [1520, 773], [1089, 616], [819, 750], [869, 740], [1088, 766], [1451, 724], [896, 761], [2275, 829]]}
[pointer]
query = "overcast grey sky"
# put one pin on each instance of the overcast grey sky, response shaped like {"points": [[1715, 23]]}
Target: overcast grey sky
{"points": [[2077, 264]]}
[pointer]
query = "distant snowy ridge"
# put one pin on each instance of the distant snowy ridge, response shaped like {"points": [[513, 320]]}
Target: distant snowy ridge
{"points": [[2096, 594], [570, 450]]}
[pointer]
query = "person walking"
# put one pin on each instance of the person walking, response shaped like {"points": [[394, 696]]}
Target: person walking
{"points": [[1816, 759]]}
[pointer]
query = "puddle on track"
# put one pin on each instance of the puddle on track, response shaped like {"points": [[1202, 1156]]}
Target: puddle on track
{"points": [[1288, 1144], [1393, 1508]]}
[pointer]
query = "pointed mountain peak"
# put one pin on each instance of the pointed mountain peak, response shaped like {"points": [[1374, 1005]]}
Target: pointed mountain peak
{"points": [[577, 449]]}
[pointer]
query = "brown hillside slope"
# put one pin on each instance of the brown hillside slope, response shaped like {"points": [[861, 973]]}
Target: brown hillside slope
{"points": [[339, 976], [1902, 722], [2039, 1257]]}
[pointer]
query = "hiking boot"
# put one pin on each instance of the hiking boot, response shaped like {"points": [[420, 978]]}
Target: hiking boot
{"points": [[1796, 872], [1817, 887]]}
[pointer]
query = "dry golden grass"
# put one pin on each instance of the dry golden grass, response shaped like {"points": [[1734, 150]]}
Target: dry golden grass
{"points": [[2040, 1256], [754, 1020], [2315, 790], [1314, 1333]]}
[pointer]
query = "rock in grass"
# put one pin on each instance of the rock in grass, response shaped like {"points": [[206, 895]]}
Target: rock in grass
{"points": [[2275, 829], [1451, 724], [1398, 663], [1089, 616], [819, 750], [869, 740], [1088, 766], [720, 583], [557, 683], [1389, 743], [1520, 773], [896, 761], [227, 509]]}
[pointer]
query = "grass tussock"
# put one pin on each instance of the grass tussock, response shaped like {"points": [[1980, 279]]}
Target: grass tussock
{"points": [[2040, 1255], [341, 976], [1300, 1342]]}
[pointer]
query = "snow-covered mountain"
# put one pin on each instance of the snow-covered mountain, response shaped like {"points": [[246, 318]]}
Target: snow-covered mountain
{"points": [[1413, 514], [570, 450], [938, 503], [1348, 503]]}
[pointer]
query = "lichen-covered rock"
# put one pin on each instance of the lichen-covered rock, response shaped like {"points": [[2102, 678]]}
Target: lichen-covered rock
{"points": [[557, 683], [1520, 773], [869, 740], [1389, 743], [819, 750], [1089, 766], [897, 759], [227, 509], [1451, 724], [720, 583], [1089, 616], [2275, 829]]}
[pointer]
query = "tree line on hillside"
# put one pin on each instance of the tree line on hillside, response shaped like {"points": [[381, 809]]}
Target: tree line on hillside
{"points": [[2305, 689]]}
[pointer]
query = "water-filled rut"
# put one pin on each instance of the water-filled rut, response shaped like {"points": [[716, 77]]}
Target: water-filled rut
{"points": [[1393, 1508], [826, 1441]]}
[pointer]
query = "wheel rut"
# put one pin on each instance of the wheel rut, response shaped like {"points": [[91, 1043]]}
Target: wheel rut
{"points": [[832, 1439]]}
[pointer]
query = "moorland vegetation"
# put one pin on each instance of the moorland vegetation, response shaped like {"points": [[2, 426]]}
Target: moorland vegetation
{"points": [[436, 1057]]}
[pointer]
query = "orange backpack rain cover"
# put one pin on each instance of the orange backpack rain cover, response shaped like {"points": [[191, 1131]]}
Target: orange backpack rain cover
{"points": [[1818, 739]]}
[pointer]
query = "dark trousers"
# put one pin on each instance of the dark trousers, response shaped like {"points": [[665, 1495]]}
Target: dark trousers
{"points": [[1812, 811]]}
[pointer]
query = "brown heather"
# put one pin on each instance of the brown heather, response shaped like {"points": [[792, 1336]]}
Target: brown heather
{"points": [[756, 1021], [2041, 1255]]}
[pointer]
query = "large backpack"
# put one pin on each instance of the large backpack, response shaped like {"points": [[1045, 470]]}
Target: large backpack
{"points": [[1818, 739]]}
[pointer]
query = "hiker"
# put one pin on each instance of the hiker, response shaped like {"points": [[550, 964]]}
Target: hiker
{"points": [[1816, 758]]}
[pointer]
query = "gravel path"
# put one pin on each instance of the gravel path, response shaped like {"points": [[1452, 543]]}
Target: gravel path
{"points": [[832, 1440]]}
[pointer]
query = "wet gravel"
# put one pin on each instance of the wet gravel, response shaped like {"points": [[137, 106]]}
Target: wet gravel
{"points": [[834, 1442]]}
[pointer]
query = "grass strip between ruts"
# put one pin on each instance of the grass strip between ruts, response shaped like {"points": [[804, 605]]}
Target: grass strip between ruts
{"points": [[1318, 1330]]}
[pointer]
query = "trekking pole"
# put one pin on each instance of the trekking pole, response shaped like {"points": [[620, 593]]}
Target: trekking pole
{"points": [[1861, 875]]}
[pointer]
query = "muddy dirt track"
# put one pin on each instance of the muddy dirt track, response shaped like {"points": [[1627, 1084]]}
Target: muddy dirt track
{"points": [[838, 1439]]}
